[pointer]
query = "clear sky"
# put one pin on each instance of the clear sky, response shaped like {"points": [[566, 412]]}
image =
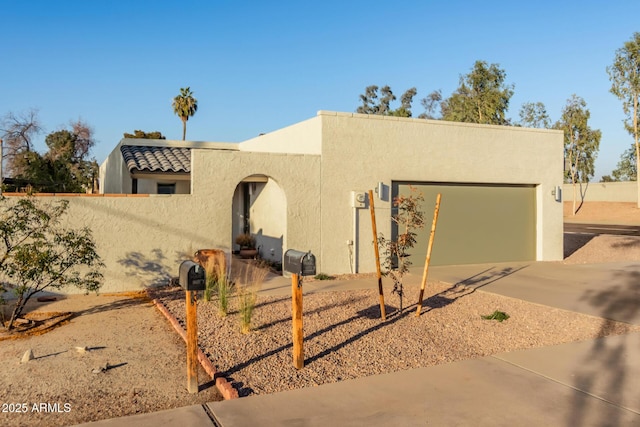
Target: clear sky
{"points": [[257, 66]]}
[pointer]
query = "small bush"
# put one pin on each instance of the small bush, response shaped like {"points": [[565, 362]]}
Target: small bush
{"points": [[248, 285], [496, 315], [322, 276], [246, 241]]}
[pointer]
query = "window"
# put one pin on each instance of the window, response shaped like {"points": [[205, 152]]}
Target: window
{"points": [[167, 188], [134, 186]]}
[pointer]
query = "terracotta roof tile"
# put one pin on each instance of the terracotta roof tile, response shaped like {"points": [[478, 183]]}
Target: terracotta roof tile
{"points": [[156, 159]]}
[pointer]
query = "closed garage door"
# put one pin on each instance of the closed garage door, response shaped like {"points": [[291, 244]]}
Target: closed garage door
{"points": [[477, 223]]}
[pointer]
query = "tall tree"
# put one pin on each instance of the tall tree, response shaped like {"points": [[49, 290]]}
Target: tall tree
{"points": [[430, 103], [627, 168], [581, 143], [482, 97], [18, 131], [380, 103], [624, 74], [185, 106], [534, 115], [65, 167]]}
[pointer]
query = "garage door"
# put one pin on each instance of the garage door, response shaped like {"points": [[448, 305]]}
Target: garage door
{"points": [[477, 223]]}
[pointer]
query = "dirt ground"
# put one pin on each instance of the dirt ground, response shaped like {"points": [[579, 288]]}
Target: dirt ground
{"points": [[610, 212], [135, 363]]}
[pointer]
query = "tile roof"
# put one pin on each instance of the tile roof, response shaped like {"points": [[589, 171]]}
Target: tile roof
{"points": [[156, 159]]}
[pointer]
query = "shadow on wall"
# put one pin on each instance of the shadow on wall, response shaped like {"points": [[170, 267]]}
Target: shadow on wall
{"points": [[606, 368], [151, 270], [269, 247]]}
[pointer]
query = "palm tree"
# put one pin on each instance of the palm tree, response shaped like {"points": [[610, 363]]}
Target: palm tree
{"points": [[185, 106]]}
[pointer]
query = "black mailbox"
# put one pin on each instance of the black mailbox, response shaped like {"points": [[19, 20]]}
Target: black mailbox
{"points": [[298, 262], [192, 276]]}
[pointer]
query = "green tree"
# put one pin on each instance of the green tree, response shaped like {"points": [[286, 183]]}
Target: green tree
{"points": [[139, 134], [430, 104], [624, 74], [18, 131], [482, 97], [581, 143], [37, 253], [627, 168], [64, 168], [185, 106], [374, 102], [534, 115]]}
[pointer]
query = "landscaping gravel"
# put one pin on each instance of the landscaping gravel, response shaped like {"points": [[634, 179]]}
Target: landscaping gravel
{"points": [[344, 337]]}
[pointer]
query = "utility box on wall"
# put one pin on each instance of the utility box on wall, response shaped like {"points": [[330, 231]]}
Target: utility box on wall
{"points": [[358, 199]]}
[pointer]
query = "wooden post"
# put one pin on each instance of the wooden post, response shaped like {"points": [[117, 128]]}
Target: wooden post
{"points": [[192, 343], [383, 313], [428, 260], [296, 299]]}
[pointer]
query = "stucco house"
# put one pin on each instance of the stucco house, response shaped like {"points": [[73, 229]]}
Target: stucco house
{"points": [[302, 187]]}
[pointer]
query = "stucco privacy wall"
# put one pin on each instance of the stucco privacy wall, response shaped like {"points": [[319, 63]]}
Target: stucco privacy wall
{"points": [[142, 240], [603, 192], [358, 151]]}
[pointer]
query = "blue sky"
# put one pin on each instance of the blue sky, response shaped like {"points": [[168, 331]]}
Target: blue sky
{"points": [[257, 66]]}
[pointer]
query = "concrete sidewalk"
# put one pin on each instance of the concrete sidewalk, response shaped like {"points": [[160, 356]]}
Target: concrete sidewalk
{"points": [[592, 383]]}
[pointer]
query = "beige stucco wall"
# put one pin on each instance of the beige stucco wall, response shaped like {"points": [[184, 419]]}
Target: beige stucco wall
{"points": [[603, 192], [359, 151], [301, 138], [143, 240], [268, 218], [297, 176]]}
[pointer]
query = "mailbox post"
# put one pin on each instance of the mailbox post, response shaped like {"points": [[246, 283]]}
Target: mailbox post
{"points": [[192, 279], [298, 264]]}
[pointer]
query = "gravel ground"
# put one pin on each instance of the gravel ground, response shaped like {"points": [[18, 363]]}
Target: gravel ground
{"points": [[146, 362], [345, 339]]}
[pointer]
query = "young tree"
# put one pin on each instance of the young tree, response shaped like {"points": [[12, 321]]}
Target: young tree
{"points": [[482, 97], [627, 168], [18, 131], [581, 143], [382, 107], [185, 106], [37, 253], [408, 219], [534, 115], [624, 74]]}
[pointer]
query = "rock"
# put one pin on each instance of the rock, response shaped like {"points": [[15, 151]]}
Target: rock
{"points": [[101, 368], [82, 350], [28, 355]]}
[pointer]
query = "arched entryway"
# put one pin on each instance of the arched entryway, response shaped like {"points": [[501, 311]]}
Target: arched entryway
{"points": [[260, 209]]}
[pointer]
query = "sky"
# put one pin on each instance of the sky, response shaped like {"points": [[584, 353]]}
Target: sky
{"points": [[258, 66]]}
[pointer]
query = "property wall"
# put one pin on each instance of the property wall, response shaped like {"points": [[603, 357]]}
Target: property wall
{"points": [[143, 238], [300, 138], [359, 151], [603, 192]]}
